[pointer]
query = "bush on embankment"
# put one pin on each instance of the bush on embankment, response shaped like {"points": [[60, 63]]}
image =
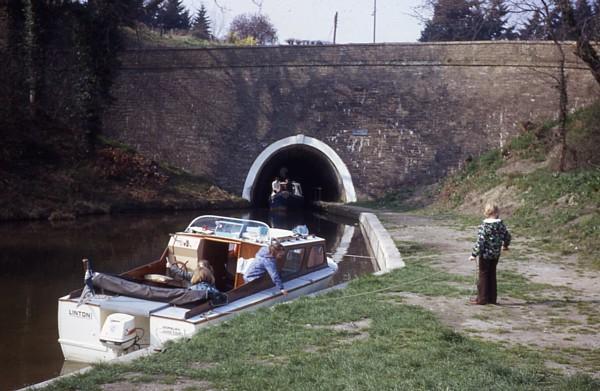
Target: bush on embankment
{"points": [[52, 177]]}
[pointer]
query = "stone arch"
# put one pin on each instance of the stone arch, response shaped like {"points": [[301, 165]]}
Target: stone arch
{"points": [[344, 180]]}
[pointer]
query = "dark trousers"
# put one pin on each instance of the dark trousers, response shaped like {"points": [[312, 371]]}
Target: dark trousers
{"points": [[486, 288]]}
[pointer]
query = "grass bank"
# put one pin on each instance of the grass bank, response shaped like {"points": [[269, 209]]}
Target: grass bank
{"points": [[561, 210], [361, 338]]}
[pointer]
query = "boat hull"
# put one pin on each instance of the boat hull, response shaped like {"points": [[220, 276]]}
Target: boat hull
{"points": [[286, 200], [80, 326]]}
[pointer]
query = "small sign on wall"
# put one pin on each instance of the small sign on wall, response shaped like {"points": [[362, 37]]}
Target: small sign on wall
{"points": [[360, 132]]}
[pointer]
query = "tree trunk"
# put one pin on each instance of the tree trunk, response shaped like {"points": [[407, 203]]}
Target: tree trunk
{"points": [[562, 115], [588, 54]]}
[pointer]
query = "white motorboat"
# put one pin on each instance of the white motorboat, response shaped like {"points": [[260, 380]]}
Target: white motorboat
{"points": [[145, 307]]}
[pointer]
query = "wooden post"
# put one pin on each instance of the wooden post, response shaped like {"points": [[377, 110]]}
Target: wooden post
{"points": [[374, 18], [335, 26]]}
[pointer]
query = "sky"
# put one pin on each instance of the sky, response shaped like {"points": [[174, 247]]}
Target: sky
{"points": [[313, 19]]}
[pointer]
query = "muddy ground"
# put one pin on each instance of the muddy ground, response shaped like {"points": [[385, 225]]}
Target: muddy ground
{"points": [[561, 320]]}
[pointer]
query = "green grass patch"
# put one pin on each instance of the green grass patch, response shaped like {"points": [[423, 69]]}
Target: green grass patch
{"points": [[144, 37], [515, 285], [410, 248], [561, 209], [478, 174], [419, 277]]}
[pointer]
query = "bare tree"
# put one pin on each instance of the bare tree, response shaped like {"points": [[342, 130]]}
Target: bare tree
{"points": [[259, 4], [549, 12], [584, 33], [562, 22], [257, 26]]}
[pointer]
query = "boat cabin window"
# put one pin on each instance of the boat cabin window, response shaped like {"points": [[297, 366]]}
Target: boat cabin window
{"points": [[293, 261], [316, 256]]}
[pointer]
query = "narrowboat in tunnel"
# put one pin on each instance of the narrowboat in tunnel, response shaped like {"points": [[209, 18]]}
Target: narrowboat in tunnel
{"points": [[145, 307], [285, 199]]}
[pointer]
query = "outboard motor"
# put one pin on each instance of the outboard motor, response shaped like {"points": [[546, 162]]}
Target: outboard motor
{"points": [[118, 332]]}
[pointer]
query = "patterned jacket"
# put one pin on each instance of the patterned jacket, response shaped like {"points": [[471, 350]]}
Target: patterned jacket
{"points": [[492, 234]]}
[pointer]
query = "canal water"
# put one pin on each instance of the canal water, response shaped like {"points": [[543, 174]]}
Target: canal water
{"points": [[41, 261]]}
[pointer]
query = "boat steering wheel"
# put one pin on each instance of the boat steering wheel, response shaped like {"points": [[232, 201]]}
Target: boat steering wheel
{"points": [[180, 265]]}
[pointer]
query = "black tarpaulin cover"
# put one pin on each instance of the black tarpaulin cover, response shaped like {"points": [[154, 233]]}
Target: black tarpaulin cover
{"points": [[177, 296]]}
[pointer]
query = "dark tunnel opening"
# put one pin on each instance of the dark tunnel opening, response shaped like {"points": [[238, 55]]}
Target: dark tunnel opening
{"points": [[306, 165]]}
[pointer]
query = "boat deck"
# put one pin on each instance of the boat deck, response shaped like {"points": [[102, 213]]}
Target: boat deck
{"points": [[292, 286]]}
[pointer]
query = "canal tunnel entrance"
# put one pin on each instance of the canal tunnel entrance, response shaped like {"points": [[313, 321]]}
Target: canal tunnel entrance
{"points": [[310, 162], [308, 167]]}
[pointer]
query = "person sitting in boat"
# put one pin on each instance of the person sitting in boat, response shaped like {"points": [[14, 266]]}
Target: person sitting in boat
{"points": [[283, 184], [202, 279], [265, 261], [275, 186], [204, 274]]}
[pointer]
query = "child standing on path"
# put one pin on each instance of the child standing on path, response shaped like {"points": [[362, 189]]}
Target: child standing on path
{"points": [[491, 237]]}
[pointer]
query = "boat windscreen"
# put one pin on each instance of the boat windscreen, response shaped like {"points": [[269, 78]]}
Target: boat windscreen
{"points": [[230, 227]]}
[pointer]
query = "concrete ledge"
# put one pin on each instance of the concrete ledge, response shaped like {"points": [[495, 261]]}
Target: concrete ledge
{"points": [[384, 249]]}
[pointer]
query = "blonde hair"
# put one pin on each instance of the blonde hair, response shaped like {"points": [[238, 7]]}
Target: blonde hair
{"points": [[491, 209], [204, 273]]}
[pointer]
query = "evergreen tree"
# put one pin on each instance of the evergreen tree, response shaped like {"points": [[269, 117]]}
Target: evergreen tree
{"points": [[452, 20], [174, 15], [534, 29], [150, 13], [201, 25], [468, 20], [583, 13], [495, 22]]}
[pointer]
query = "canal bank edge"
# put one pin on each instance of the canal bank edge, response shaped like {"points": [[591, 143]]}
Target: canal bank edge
{"points": [[380, 242], [385, 251], [122, 359], [377, 238]]}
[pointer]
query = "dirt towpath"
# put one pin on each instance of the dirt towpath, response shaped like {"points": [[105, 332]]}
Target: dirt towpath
{"points": [[557, 311]]}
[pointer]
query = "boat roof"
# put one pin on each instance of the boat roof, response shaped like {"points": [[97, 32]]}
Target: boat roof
{"points": [[248, 230]]}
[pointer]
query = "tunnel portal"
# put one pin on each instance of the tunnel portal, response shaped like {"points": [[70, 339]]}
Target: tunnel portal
{"points": [[304, 164]]}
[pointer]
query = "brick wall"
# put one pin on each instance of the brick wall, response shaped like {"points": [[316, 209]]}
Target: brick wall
{"points": [[396, 114], [3, 23]]}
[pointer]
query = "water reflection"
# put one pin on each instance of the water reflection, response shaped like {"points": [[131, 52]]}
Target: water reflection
{"points": [[41, 261]]}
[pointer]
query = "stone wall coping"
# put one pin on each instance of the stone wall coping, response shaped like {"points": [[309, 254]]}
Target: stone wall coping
{"points": [[514, 54], [382, 44]]}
